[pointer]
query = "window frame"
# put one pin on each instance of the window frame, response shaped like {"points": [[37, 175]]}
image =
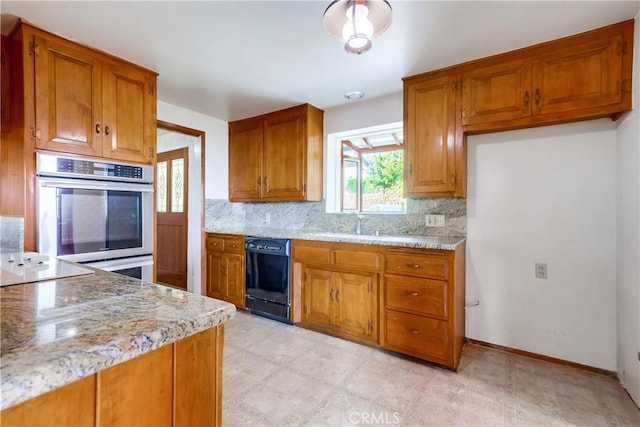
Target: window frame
{"points": [[334, 171]]}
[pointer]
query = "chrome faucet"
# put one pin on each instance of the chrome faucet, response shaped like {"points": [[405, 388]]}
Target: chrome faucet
{"points": [[359, 224]]}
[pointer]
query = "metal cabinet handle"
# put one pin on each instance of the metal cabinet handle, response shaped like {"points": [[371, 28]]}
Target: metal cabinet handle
{"points": [[413, 265], [337, 295], [526, 99], [414, 331], [413, 293], [98, 128], [537, 96], [106, 130], [259, 181], [331, 294]]}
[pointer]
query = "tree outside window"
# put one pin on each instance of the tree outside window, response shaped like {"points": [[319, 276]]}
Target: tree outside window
{"points": [[372, 173]]}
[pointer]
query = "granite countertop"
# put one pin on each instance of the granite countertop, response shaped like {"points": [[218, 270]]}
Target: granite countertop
{"points": [[407, 241], [58, 331]]}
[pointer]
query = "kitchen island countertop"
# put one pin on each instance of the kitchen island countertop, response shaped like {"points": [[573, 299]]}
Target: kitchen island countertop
{"points": [[58, 331], [407, 241]]}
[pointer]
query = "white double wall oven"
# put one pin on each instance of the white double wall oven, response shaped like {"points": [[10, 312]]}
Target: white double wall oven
{"points": [[97, 212]]}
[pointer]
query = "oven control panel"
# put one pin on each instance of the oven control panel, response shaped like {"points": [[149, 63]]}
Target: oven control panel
{"points": [[72, 166], [86, 167]]}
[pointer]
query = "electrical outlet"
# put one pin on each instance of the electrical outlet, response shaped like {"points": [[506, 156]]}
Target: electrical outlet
{"points": [[541, 270], [435, 220]]}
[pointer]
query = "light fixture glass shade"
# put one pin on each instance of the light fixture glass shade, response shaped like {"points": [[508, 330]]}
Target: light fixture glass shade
{"points": [[357, 21]]}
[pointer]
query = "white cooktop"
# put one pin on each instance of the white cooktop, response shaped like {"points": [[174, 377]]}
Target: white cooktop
{"points": [[25, 267]]}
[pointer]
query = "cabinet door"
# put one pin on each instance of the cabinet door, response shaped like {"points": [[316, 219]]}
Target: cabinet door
{"points": [[497, 92], [68, 99], [356, 304], [584, 76], [245, 160], [234, 278], [283, 157], [129, 122], [318, 297], [430, 132], [215, 283]]}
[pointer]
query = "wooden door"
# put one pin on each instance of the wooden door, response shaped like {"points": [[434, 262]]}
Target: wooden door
{"points": [[356, 305], [172, 187], [283, 156], [129, 113], [497, 92], [429, 136], [585, 76], [245, 160], [318, 295], [234, 278], [214, 279], [5, 117], [68, 97]]}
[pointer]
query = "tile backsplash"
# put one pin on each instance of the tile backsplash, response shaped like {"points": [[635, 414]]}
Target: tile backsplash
{"points": [[11, 234], [312, 216]]}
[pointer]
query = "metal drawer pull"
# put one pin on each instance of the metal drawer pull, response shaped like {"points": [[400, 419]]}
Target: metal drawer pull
{"points": [[337, 294], [331, 294], [414, 331], [413, 265], [413, 293]]}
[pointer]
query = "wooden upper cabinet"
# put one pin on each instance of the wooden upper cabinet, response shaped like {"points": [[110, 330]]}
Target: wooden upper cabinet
{"points": [[245, 160], [283, 156], [89, 103], [497, 92], [577, 77], [68, 97], [129, 113], [277, 156], [581, 77], [430, 132]]}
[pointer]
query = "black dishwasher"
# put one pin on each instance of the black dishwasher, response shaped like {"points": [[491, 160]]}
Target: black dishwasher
{"points": [[268, 288]]}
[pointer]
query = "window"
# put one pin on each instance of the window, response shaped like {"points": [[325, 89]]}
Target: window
{"points": [[369, 170]]}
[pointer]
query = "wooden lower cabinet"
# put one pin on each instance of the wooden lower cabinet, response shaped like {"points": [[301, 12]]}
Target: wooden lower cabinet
{"points": [[341, 303], [179, 384], [406, 300], [225, 268]]}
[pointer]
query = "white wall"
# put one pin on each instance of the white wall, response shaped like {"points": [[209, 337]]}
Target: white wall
{"points": [[628, 267], [364, 113], [216, 150], [544, 195]]}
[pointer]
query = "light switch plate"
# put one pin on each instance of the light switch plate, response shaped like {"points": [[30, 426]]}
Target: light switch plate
{"points": [[435, 220]]}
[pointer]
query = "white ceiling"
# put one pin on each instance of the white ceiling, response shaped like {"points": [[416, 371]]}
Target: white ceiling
{"points": [[234, 59]]}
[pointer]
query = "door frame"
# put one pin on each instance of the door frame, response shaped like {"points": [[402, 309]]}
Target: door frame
{"points": [[197, 287]]}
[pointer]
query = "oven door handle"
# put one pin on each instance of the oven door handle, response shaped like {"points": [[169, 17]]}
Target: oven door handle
{"points": [[95, 185]]}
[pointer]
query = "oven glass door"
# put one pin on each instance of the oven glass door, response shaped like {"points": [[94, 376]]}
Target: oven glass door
{"points": [[83, 220], [98, 220]]}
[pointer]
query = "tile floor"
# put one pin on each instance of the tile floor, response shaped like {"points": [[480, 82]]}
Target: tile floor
{"points": [[281, 375]]}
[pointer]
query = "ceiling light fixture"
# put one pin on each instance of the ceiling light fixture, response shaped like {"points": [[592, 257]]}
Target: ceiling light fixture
{"points": [[354, 95], [356, 22]]}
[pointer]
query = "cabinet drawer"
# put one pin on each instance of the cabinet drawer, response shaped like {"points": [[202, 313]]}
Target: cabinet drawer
{"points": [[416, 334], [234, 244], [215, 243], [417, 265], [423, 296], [311, 254], [351, 258]]}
